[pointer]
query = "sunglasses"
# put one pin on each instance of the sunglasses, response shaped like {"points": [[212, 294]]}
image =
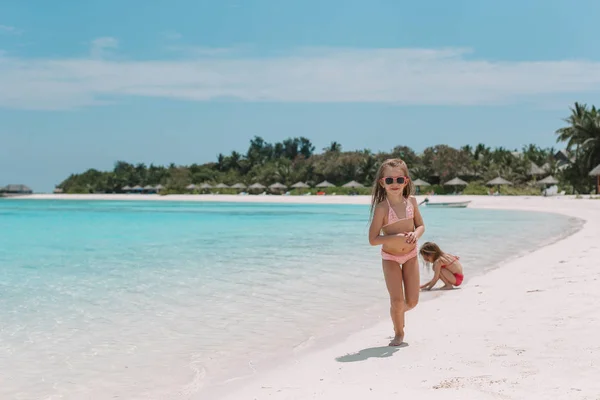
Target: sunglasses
{"points": [[399, 180]]}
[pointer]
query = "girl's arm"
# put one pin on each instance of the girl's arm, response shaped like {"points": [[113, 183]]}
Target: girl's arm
{"points": [[419, 225], [413, 237], [375, 237], [436, 276]]}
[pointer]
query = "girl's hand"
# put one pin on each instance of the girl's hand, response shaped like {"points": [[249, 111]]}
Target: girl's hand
{"points": [[411, 237]]}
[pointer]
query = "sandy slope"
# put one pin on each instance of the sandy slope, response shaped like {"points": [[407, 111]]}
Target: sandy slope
{"points": [[528, 330]]}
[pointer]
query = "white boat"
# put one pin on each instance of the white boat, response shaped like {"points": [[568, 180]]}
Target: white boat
{"points": [[448, 204]]}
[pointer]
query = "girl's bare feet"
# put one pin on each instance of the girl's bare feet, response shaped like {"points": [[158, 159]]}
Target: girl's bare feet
{"points": [[397, 341], [447, 287]]}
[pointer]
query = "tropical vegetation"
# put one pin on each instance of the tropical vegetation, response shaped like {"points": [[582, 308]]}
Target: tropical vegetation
{"points": [[296, 160]]}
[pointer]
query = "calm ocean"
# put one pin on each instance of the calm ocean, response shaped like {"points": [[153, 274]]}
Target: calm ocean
{"points": [[153, 300]]}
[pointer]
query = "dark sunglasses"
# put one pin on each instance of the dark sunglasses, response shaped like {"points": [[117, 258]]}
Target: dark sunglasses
{"points": [[399, 180]]}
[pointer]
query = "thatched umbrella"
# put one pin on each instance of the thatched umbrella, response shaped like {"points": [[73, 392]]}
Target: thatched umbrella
{"points": [[191, 186], [498, 181], [420, 182], [549, 180], [456, 182], [222, 186], [256, 186], [205, 186], [149, 188], [596, 172], [300, 185], [353, 184], [325, 184], [137, 188], [534, 170], [159, 187], [126, 188], [546, 167], [277, 186], [239, 186]]}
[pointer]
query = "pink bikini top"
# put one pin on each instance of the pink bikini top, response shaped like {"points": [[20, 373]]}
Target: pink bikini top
{"points": [[393, 218]]}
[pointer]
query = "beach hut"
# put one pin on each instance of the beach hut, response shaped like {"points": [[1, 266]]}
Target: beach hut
{"points": [[300, 185], [596, 172], [158, 188], [324, 184], [17, 189], [126, 189], [353, 184], [57, 190], [137, 189]]}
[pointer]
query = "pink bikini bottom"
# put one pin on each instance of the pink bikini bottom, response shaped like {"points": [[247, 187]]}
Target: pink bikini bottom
{"points": [[400, 259]]}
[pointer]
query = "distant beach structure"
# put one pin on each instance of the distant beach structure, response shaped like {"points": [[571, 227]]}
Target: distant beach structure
{"points": [[15, 190]]}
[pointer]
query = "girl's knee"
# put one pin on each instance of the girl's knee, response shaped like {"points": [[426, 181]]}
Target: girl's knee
{"points": [[411, 303], [398, 304]]}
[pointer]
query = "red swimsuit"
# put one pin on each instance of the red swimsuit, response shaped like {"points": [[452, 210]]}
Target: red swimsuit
{"points": [[459, 277]]}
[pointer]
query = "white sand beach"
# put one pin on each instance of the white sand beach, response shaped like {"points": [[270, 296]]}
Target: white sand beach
{"points": [[525, 330]]}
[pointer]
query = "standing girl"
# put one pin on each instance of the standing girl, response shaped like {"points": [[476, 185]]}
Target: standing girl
{"points": [[396, 225]]}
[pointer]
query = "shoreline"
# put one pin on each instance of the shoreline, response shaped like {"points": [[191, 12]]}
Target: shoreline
{"points": [[496, 201], [360, 365]]}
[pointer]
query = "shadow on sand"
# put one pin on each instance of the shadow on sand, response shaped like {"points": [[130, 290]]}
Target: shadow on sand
{"points": [[373, 352]]}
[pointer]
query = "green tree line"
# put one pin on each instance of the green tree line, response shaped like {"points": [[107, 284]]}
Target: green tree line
{"points": [[296, 160]]}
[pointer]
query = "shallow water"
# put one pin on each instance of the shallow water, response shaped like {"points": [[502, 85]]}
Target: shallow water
{"points": [[147, 300]]}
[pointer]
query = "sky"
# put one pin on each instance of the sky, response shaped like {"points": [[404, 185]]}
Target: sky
{"points": [[86, 83]]}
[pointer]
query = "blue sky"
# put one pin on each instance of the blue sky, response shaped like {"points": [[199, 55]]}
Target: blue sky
{"points": [[83, 84]]}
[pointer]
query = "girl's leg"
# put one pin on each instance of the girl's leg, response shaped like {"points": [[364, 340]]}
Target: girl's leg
{"points": [[448, 278], [412, 283], [393, 280]]}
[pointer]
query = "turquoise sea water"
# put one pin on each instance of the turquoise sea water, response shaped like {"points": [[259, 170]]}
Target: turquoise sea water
{"points": [[154, 300]]}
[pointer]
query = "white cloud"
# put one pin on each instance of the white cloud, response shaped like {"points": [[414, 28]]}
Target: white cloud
{"points": [[10, 30], [101, 47], [399, 76]]}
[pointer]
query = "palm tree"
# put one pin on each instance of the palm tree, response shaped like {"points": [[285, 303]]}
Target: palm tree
{"points": [[334, 147], [234, 160], [571, 133], [583, 133]]}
